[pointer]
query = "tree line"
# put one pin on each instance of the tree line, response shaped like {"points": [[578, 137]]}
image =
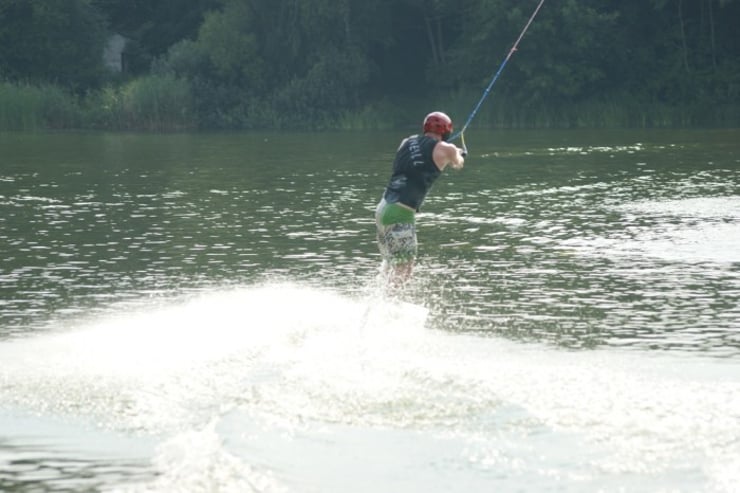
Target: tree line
{"points": [[374, 63]]}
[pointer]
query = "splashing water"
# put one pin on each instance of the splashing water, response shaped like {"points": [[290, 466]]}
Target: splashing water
{"points": [[141, 353], [290, 388]]}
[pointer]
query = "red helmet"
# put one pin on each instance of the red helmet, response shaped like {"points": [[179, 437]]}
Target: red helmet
{"points": [[438, 123]]}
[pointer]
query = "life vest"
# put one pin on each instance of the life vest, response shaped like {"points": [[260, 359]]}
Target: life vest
{"points": [[414, 172]]}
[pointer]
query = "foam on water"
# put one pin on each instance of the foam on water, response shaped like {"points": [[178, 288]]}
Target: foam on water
{"points": [[290, 388]]}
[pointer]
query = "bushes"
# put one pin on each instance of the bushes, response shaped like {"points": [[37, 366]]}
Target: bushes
{"points": [[44, 41], [26, 107], [168, 103], [158, 103]]}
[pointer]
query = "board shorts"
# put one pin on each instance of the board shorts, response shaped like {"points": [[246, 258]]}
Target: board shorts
{"points": [[396, 233]]}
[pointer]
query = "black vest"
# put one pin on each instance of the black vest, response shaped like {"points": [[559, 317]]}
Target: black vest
{"points": [[414, 172]]}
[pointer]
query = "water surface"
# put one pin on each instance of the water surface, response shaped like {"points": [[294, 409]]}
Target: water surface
{"points": [[200, 313]]}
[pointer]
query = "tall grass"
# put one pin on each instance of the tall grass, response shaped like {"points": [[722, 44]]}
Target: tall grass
{"points": [[155, 103], [382, 115], [26, 107], [158, 102], [166, 103], [619, 111]]}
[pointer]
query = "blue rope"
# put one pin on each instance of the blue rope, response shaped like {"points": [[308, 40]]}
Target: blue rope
{"points": [[495, 77]]}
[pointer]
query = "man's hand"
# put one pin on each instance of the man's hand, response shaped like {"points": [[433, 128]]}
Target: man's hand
{"points": [[460, 161]]}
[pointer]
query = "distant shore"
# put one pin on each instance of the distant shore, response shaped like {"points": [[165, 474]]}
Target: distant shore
{"points": [[163, 103]]}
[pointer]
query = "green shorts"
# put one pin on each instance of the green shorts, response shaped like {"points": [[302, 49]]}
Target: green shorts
{"points": [[396, 233]]}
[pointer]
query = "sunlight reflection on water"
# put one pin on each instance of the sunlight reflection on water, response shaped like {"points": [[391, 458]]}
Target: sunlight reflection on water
{"points": [[570, 296]]}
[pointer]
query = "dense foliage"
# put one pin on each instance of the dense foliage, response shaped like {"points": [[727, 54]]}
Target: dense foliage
{"points": [[359, 63]]}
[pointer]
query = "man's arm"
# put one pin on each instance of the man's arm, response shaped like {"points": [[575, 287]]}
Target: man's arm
{"points": [[445, 153]]}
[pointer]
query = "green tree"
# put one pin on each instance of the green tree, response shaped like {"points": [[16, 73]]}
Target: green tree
{"points": [[259, 62], [682, 52], [311, 63], [59, 41], [153, 26], [564, 55]]}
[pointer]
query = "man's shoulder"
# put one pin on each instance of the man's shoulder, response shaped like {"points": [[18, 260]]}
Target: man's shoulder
{"points": [[427, 141]]}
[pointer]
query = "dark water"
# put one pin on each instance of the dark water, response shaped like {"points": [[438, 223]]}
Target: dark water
{"points": [[580, 238], [130, 260]]}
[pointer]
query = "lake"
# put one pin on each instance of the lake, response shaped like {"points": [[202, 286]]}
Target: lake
{"points": [[203, 312]]}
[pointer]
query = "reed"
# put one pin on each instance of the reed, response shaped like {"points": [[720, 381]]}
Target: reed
{"points": [[152, 103], [382, 115], [30, 108], [166, 103], [159, 102], [616, 112]]}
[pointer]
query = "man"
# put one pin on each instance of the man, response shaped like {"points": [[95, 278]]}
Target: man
{"points": [[419, 161]]}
